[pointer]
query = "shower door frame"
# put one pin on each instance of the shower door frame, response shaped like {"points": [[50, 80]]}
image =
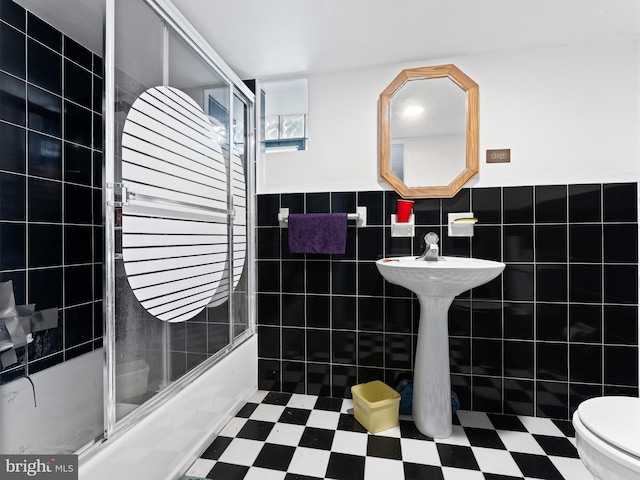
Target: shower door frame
{"points": [[173, 20]]}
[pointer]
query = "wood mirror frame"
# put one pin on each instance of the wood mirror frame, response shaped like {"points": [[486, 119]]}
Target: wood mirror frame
{"points": [[472, 144]]}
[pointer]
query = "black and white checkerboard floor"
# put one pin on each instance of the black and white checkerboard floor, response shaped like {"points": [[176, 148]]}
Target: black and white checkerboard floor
{"points": [[279, 436]]}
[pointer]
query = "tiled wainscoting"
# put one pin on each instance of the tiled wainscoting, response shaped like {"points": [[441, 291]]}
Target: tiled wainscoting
{"points": [[50, 184], [558, 326]]}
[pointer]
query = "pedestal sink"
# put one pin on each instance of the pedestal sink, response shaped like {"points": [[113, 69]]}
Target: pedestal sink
{"points": [[436, 283]]}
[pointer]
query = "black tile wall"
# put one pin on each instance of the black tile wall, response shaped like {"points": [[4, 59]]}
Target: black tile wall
{"points": [[44, 67], [12, 98], [12, 56], [44, 33], [560, 325], [50, 184], [12, 14]]}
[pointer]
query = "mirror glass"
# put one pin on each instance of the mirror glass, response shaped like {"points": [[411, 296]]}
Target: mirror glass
{"points": [[428, 132]]}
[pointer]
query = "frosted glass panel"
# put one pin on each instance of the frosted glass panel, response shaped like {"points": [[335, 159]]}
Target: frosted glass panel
{"points": [[179, 189]]}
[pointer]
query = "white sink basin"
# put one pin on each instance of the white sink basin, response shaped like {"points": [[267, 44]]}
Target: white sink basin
{"points": [[435, 283], [446, 277]]}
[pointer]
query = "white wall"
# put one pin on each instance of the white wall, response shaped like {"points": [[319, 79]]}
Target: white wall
{"points": [[568, 114]]}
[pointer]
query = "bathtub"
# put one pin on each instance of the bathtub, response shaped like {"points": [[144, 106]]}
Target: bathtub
{"points": [[69, 416], [69, 411], [164, 444]]}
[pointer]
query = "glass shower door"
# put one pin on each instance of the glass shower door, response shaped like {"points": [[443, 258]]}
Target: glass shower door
{"points": [[177, 200]]}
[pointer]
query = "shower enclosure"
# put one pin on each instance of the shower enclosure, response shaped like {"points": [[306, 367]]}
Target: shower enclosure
{"points": [[176, 215], [172, 189]]}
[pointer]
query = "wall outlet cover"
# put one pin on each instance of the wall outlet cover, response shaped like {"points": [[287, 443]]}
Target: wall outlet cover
{"points": [[499, 156]]}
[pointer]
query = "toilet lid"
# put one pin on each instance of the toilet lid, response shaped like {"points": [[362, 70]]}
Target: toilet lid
{"points": [[614, 419]]}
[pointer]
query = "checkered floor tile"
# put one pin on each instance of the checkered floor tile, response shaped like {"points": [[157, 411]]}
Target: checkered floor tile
{"points": [[279, 436]]}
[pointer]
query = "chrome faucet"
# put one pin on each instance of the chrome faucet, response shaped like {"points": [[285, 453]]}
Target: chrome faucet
{"points": [[431, 247]]}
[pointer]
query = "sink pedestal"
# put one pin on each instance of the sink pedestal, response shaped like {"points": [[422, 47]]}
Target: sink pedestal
{"points": [[436, 283], [431, 380]]}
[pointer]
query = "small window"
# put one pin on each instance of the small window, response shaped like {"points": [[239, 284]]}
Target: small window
{"points": [[285, 115], [286, 132]]}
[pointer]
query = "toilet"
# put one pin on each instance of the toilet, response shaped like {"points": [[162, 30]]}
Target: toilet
{"points": [[608, 437]]}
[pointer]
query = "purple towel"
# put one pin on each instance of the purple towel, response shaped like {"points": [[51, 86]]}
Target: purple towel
{"points": [[318, 233]]}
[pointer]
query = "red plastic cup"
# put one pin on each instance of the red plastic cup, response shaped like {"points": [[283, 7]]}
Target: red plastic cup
{"points": [[403, 210]]}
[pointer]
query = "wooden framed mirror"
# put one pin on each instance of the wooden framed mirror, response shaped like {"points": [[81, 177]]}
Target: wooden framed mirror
{"points": [[428, 132]]}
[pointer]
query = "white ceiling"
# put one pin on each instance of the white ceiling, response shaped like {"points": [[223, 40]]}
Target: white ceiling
{"points": [[284, 38], [79, 19], [280, 38]]}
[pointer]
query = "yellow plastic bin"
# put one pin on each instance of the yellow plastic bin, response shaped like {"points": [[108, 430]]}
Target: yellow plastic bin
{"points": [[375, 405]]}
